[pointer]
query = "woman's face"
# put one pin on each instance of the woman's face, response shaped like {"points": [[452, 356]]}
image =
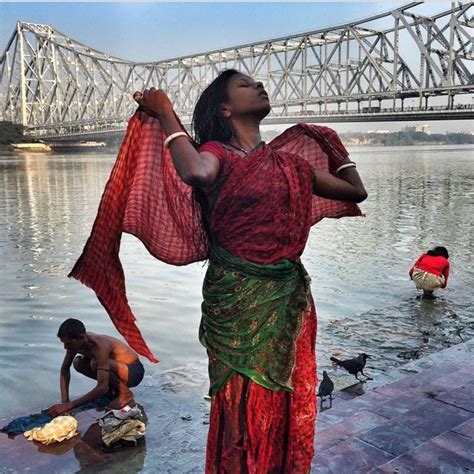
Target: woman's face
{"points": [[245, 97]]}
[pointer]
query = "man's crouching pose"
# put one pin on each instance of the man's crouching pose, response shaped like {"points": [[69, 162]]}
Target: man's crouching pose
{"points": [[114, 365]]}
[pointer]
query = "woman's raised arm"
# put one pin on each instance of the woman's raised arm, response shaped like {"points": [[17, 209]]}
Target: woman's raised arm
{"points": [[346, 187], [195, 169]]}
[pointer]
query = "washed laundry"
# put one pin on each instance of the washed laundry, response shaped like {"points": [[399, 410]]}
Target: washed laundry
{"points": [[60, 429], [25, 423], [127, 430], [127, 424]]}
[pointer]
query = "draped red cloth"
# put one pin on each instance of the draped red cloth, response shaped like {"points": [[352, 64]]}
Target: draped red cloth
{"points": [[256, 430], [145, 197], [261, 208], [264, 207]]}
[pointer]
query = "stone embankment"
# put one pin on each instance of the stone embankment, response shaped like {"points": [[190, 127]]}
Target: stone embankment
{"points": [[417, 419]]}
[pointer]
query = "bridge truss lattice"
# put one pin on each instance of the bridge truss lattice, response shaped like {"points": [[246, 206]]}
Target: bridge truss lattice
{"points": [[409, 67]]}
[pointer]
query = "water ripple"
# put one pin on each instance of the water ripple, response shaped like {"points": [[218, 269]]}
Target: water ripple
{"points": [[418, 196]]}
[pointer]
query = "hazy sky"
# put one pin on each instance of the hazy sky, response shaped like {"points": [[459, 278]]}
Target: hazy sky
{"points": [[153, 31]]}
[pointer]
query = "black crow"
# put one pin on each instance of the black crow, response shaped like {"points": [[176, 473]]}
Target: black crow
{"points": [[325, 388], [354, 366]]}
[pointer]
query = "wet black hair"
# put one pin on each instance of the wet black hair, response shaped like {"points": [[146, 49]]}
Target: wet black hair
{"points": [[208, 121], [438, 252], [72, 328]]}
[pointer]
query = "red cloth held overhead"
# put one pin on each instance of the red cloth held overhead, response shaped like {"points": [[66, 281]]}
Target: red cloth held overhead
{"points": [[145, 197]]}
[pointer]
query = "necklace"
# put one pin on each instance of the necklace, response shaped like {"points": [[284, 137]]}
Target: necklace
{"points": [[244, 151]]}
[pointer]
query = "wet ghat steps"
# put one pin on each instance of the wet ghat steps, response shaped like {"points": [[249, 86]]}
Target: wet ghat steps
{"points": [[171, 444], [423, 423]]}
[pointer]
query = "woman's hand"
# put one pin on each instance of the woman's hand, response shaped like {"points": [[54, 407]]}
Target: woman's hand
{"points": [[155, 101], [192, 167]]}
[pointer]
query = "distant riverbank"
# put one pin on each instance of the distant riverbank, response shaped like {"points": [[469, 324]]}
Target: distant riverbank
{"points": [[13, 134], [402, 138], [406, 138], [14, 141], [374, 144]]}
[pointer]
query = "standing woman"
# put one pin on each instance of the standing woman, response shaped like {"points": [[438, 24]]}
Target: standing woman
{"points": [[255, 205], [258, 318]]}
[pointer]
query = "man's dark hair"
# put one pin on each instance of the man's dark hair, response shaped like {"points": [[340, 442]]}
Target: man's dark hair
{"points": [[72, 328], [208, 121]]}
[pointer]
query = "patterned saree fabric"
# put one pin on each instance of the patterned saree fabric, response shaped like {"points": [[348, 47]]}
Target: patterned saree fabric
{"points": [[145, 197], [262, 206], [251, 318], [255, 430]]}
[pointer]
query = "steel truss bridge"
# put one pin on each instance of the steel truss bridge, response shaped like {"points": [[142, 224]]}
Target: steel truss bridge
{"points": [[410, 67]]}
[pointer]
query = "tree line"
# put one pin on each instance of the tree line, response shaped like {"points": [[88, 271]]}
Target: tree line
{"points": [[409, 138]]}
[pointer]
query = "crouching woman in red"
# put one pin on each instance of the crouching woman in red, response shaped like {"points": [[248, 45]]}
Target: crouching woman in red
{"points": [[431, 271]]}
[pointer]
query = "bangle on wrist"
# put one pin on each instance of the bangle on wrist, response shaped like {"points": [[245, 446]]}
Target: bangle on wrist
{"points": [[351, 164], [173, 136]]}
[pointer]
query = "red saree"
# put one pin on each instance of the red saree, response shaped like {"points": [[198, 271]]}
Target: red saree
{"points": [[255, 430], [262, 212]]}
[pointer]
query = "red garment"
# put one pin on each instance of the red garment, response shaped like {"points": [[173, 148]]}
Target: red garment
{"points": [[263, 212], [256, 430], [266, 207], [435, 264], [145, 197]]}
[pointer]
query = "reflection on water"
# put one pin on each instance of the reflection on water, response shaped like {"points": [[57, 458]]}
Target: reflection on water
{"points": [[418, 196]]}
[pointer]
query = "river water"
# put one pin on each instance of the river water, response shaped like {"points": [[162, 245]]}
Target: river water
{"points": [[418, 197]]}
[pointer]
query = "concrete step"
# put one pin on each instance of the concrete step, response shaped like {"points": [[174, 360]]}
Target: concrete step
{"points": [[422, 420], [450, 452]]}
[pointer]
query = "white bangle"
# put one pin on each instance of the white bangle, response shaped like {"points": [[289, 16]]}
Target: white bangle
{"points": [[346, 165], [171, 137]]}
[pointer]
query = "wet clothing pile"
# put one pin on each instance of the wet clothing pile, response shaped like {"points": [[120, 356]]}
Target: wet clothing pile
{"points": [[60, 429], [24, 423], [126, 424]]}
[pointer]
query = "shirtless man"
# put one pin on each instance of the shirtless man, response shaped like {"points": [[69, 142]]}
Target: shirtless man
{"points": [[114, 365]]}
